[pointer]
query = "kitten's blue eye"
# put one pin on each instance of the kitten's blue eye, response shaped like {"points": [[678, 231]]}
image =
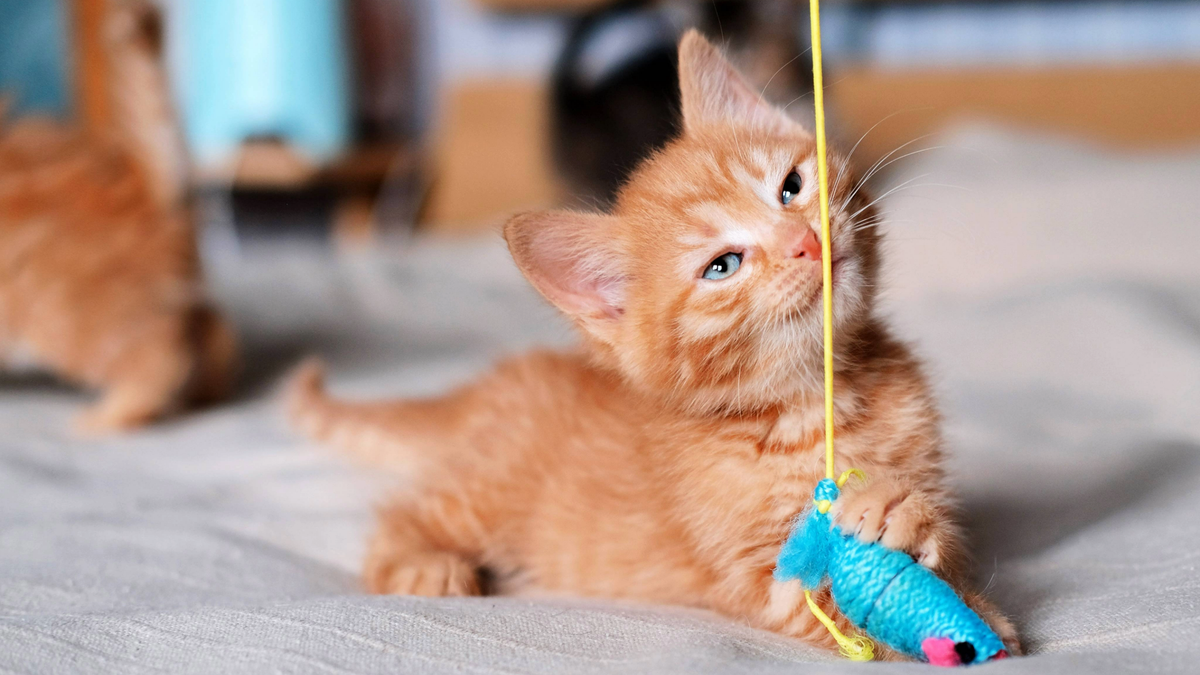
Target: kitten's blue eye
{"points": [[723, 267], [791, 188]]}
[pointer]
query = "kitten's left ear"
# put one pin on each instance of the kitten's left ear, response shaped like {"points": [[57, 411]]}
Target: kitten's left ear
{"points": [[572, 259], [713, 92]]}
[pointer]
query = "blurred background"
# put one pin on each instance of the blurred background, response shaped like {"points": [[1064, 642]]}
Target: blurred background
{"points": [[362, 121]]}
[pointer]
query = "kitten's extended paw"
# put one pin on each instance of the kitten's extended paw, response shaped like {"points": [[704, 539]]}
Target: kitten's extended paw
{"points": [[104, 419], [897, 516], [1001, 624], [434, 574], [125, 407]]}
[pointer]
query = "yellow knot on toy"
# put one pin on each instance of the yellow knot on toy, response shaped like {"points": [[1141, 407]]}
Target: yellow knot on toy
{"points": [[823, 505]]}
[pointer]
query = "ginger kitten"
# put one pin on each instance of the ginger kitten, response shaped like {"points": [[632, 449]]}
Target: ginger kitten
{"points": [[666, 460], [99, 276]]}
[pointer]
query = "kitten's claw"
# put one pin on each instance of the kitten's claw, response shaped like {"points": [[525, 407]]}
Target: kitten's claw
{"points": [[895, 515]]}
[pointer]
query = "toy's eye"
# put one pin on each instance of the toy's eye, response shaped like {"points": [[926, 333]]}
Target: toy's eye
{"points": [[791, 188], [965, 651], [723, 266]]}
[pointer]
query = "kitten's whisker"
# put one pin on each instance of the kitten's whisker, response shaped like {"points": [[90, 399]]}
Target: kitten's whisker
{"points": [[947, 185], [873, 202], [885, 222], [850, 155], [789, 103], [762, 94], [902, 187], [875, 167], [905, 156], [843, 168], [866, 224], [870, 172]]}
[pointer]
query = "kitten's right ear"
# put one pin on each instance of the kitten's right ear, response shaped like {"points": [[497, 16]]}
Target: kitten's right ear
{"points": [[569, 257], [712, 91]]}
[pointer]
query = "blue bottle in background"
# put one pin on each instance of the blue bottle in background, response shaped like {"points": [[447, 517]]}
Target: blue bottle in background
{"points": [[34, 59], [262, 68]]}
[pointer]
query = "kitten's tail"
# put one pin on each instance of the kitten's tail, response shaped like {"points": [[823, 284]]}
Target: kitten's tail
{"points": [[143, 107], [399, 435]]}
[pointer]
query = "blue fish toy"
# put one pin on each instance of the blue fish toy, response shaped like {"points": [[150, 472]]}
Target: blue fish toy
{"points": [[885, 592]]}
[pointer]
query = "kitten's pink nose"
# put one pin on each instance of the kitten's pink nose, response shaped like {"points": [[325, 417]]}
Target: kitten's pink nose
{"points": [[807, 246]]}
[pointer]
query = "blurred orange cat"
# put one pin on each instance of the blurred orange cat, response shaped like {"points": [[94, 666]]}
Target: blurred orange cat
{"points": [[666, 460], [99, 277]]}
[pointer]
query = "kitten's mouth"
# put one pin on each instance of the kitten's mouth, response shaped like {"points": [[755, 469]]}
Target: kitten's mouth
{"points": [[835, 272], [838, 264], [811, 301]]}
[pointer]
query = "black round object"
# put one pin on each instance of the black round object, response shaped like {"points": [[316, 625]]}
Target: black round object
{"points": [[615, 96], [965, 651]]}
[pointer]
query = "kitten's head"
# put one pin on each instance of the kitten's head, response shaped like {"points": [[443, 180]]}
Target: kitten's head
{"points": [[703, 285]]}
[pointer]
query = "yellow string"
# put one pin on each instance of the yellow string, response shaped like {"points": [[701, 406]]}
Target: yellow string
{"points": [[857, 648], [841, 481], [826, 248]]}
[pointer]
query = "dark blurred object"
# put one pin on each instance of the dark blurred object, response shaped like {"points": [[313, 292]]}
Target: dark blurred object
{"points": [[767, 40], [542, 5], [386, 45], [615, 95]]}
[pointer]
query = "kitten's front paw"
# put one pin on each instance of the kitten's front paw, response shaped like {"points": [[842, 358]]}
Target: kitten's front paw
{"points": [[434, 574], [123, 408], [897, 516], [1004, 628], [104, 420]]}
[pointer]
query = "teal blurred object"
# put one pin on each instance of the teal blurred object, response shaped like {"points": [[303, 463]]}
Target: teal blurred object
{"points": [[33, 56], [263, 68]]}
